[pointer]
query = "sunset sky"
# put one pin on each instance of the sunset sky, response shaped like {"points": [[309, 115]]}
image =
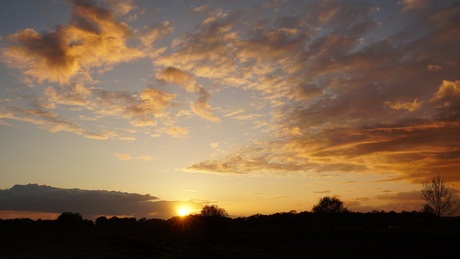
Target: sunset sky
{"points": [[137, 108]]}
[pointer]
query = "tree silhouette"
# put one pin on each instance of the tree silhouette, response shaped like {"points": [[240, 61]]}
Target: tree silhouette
{"points": [[70, 219], [438, 197], [213, 211], [329, 205]]}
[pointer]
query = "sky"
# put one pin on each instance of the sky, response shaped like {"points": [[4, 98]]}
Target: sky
{"points": [[138, 108]]}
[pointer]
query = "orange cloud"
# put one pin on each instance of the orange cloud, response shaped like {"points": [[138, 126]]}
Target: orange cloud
{"points": [[51, 122], [128, 157], [93, 40], [73, 95], [125, 157], [144, 109], [174, 75], [327, 92], [448, 93], [177, 131], [409, 106], [188, 81]]}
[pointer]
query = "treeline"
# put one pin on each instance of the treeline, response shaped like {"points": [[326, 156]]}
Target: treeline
{"points": [[285, 220]]}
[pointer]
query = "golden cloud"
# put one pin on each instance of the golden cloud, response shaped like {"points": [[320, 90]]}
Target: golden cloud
{"points": [[174, 75], [93, 39], [177, 131], [127, 157], [409, 106], [123, 156], [51, 122], [448, 93], [188, 81]]}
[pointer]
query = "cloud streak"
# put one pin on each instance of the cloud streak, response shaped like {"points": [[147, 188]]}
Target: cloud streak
{"points": [[141, 110]]}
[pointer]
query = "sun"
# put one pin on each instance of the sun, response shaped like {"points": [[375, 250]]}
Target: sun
{"points": [[183, 211]]}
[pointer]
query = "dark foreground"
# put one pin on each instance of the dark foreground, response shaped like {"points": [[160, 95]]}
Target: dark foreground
{"points": [[238, 243], [277, 236]]}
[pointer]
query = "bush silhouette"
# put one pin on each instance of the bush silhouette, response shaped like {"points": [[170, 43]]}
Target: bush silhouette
{"points": [[329, 205], [213, 211], [70, 219]]}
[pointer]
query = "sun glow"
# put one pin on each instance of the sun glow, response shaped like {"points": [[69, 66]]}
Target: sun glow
{"points": [[183, 211]]}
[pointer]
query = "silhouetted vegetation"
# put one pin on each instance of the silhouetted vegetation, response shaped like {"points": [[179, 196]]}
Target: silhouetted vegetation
{"points": [[213, 211], [329, 205], [329, 212], [277, 235], [438, 197]]}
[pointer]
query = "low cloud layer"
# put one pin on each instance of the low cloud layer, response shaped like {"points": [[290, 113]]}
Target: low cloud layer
{"points": [[89, 203]]}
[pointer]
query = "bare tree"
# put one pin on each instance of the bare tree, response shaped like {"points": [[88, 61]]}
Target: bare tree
{"points": [[438, 197]]}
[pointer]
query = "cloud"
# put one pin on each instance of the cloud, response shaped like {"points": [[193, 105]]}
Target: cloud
{"points": [[92, 40], [409, 106], [121, 8], [174, 75], [123, 156], [150, 34], [234, 113], [143, 109], [206, 52], [412, 4], [321, 192], [188, 81], [51, 122], [177, 131], [89, 203], [327, 85], [200, 9], [202, 108], [127, 157], [448, 93], [74, 95], [434, 67], [151, 106], [147, 108]]}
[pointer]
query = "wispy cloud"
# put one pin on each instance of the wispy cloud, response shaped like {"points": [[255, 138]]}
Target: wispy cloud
{"points": [[144, 109], [177, 131], [188, 81], [51, 122], [127, 157], [412, 4], [409, 106]]}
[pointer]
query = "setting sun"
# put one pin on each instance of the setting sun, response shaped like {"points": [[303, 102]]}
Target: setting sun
{"points": [[183, 211]]}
